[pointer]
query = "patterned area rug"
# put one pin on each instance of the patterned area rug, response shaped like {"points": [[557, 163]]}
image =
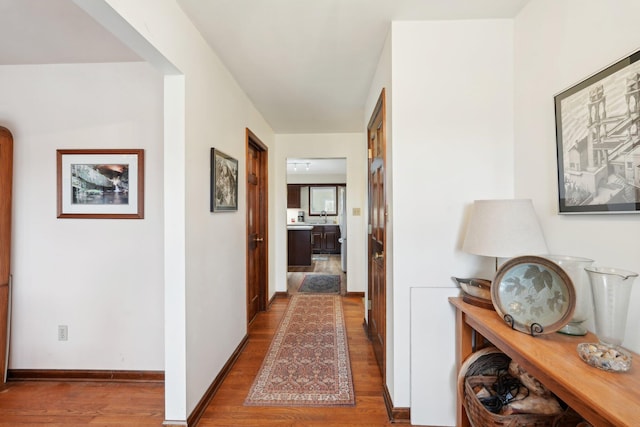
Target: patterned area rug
{"points": [[308, 361], [320, 284]]}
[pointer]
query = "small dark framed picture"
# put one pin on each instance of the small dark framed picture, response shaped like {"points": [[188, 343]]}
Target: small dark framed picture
{"points": [[224, 182], [598, 141], [100, 184]]}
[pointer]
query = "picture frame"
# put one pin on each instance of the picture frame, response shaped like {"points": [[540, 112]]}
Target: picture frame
{"points": [[100, 183], [224, 182], [598, 141]]}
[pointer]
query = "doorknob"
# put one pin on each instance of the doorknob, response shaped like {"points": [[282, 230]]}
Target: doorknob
{"points": [[378, 255], [258, 239]]}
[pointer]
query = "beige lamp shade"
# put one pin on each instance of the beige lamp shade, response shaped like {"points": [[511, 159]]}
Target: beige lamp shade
{"points": [[504, 229]]}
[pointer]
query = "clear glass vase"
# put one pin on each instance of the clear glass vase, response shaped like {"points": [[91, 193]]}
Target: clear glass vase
{"points": [[611, 289], [575, 269]]}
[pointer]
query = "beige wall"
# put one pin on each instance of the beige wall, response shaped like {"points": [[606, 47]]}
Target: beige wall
{"points": [[577, 39], [92, 275]]}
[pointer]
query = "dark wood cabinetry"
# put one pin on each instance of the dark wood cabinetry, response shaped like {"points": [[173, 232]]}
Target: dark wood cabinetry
{"points": [[293, 196], [299, 247], [324, 239]]}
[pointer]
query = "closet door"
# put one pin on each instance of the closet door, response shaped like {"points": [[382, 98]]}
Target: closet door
{"points": [[6, 179]]}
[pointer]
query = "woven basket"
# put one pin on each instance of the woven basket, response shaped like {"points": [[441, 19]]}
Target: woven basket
{"points": [[479, 416], [485, 362]]}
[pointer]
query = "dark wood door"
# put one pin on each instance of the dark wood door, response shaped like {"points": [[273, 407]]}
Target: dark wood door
{"points": [[256, 226], [377, 313], [6, 178]]}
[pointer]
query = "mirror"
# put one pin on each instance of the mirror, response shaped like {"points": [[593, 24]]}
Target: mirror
{"points": [[323, 199]]}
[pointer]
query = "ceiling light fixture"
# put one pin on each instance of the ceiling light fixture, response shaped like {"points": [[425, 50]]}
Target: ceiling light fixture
{"points": [[307, 165]]}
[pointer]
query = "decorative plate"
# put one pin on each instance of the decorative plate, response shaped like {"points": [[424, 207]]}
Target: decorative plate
{"points": [[533, 294]]}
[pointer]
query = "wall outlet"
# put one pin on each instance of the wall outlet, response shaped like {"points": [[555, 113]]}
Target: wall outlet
{"points": [[63, 332]]}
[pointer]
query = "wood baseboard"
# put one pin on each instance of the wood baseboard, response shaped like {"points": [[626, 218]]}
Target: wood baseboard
{"points": [[396, 415], [84, 375], [197, 412], [355, 294], [278, 295]]}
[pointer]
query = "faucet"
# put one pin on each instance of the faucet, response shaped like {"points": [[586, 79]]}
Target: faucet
{"points": [[323, 216]]}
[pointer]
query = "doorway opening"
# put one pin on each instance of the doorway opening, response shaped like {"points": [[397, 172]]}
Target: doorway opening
{"points": [[316, 219]]}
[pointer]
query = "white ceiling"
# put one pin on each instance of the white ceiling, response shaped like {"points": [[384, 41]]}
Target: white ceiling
{"points": [[316, 166], [55, 32], [306, 65]]}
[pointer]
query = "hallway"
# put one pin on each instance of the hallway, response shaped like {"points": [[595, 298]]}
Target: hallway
{"points": [[226, 409], [141, 404]]}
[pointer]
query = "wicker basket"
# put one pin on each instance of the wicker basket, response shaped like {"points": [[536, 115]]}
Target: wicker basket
{"points": [[487, 361], [483, 367], [479, 416]]}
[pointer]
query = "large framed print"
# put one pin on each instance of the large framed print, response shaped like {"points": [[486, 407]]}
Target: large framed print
{"points": [[100, 184], [598, 141], [224, 182]]}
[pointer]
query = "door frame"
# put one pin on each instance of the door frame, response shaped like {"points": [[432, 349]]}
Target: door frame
{"points": [[380, 108], [6, 180], [263, 214]]}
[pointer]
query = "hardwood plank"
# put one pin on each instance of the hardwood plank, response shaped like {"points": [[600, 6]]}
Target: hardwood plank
{"points": [[81, 403], [227, 407], [58, 403], [328, 264]]}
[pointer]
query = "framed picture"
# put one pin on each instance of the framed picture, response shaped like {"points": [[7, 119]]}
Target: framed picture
{"points": [[224, 182], [598, 141], [100, 183]]}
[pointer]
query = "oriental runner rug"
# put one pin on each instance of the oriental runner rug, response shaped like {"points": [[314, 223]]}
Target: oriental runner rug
{"points": [[320, 284], [307, 363]]}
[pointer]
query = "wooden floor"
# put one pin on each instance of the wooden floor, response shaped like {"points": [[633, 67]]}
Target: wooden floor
{"points": [[327, 264], [227, 409], [130, 404]]}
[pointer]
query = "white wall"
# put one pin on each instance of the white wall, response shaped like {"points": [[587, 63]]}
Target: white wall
{"points": [[212, 290], [430, 364], [316, 179], [90, 274], [558, 43], [382, 81], [351, 146], [452, 143]]}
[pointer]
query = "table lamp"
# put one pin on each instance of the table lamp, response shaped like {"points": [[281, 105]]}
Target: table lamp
{"points": [[503, 228]]}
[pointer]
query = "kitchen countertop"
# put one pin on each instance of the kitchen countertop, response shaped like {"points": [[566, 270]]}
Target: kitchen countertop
{"points": [[299, 226]]}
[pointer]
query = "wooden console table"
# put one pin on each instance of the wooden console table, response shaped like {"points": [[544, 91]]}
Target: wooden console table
{"points": [[602, 398]]}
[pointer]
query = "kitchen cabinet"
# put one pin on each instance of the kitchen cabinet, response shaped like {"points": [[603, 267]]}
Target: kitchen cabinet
{"points": [[299, 247], [324, 239], [293, 196]]}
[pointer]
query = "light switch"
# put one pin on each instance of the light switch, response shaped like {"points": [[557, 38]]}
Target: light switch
{"points": [[356, 211]]}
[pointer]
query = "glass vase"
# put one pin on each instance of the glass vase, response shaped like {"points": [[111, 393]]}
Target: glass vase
{"points": [[611, 289], [575, 269]]}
